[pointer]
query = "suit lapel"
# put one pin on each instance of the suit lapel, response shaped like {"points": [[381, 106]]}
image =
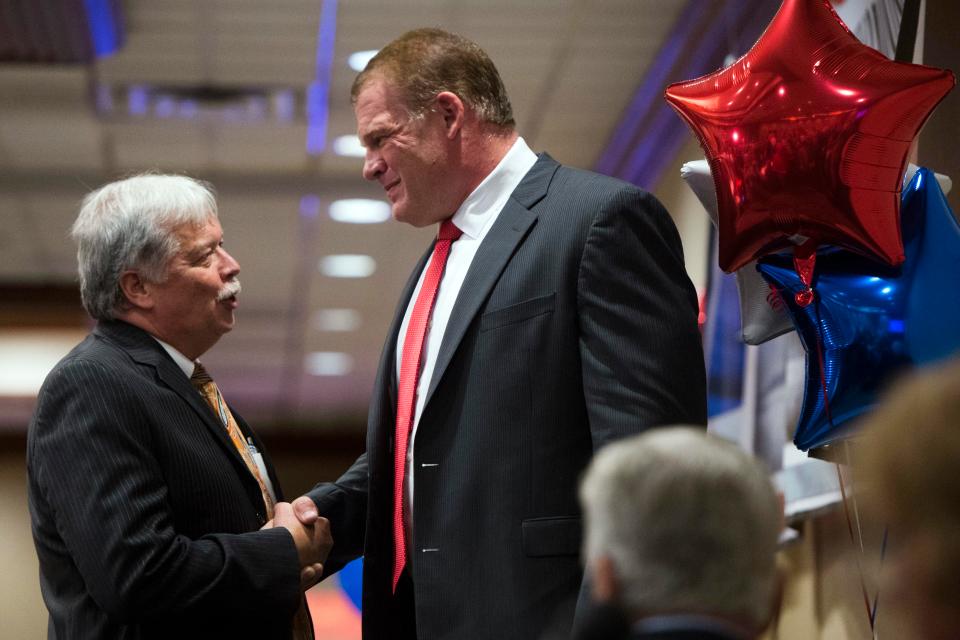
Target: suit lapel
{"points": [[501, 242], [143, 349]]}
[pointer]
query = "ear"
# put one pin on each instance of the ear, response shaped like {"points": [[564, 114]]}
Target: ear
{"points": [[452, 110], [135, 290], [606, 585]]}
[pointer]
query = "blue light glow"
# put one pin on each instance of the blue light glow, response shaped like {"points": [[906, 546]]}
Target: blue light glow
{"points": [[309, 206], [318, 93], [137, 100], [104, 30]]}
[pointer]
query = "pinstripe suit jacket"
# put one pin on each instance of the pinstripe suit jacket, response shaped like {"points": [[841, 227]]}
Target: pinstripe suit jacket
{"points": [[576, 324], [144, 517]]}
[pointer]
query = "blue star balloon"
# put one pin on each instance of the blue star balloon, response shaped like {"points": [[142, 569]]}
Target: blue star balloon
{"points": [[869, 321]]}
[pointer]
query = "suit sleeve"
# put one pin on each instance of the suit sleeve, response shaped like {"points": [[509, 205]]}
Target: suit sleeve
{"points": [[91, 456], [640, 347], [344, 504]]}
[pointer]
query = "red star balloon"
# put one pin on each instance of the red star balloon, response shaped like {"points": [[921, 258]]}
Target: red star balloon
{"points": [[807, 136]]}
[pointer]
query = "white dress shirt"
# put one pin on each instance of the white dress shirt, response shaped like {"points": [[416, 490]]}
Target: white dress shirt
{"points": [[475, 217]]}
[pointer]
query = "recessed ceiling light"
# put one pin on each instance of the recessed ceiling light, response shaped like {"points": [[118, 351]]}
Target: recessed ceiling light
{"points": [[347, 266], [328, 363], [349, 146], [358, 60], [359, 211], [336, 319]]}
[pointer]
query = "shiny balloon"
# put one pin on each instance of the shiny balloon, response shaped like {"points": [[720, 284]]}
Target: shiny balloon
{"points": [[763, 315], [870, 321], [807, 136]]}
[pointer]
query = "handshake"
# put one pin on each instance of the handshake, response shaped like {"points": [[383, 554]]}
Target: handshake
{"points": [[311, 535]]}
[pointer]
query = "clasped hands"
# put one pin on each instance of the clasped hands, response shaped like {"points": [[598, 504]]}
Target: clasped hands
{"points": [[311, 535]]}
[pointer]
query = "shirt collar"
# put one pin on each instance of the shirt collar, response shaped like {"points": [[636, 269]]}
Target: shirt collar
{"points": [[185, 363], [481, 206]]}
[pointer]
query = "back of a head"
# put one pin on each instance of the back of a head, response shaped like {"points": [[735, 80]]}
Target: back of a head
{"points": [[129, 224], [424, 62], [690, 522], [908, 454]]}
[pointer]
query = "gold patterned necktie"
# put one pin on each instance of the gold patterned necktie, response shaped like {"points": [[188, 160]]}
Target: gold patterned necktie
{"points": [[202, 381]]}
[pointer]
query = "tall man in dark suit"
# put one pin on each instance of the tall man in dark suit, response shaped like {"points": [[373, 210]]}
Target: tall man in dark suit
{"points": [[552, 316], [146, 497], [681, 539]]}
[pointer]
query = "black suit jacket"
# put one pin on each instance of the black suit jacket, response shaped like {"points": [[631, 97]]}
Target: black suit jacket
{"points": [[144, 517], [576, 324]]}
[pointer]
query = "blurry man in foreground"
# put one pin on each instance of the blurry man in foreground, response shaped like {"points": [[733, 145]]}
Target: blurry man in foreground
{"points": [[146, 491], [910, 453], [681, 536]]}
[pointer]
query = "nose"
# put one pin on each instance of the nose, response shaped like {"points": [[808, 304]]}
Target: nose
{"points": [[229, 267], [373, 165]]}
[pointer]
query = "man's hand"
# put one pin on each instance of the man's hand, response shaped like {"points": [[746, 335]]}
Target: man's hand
{"points": [[310, 576], [305, 509], [313, 540]]}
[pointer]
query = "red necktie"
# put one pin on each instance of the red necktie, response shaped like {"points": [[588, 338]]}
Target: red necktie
{"points": [[409, 376]]}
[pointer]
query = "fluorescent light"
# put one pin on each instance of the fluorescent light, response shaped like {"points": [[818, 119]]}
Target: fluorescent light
{"points": [[328, 363], [347, 266], [360, 211], [28, 356], [349, 146], [358, 60], [337, 319]]}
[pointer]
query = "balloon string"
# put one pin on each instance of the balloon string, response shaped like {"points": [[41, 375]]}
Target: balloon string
{"points": [[863, 585], [876, 598], [863, 554]]}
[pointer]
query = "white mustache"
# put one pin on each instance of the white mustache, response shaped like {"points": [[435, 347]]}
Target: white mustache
{"points": [[229, 290]]}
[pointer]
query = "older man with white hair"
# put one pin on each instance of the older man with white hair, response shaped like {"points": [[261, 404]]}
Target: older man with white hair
{"points": [[681, 536], [147, 491]]}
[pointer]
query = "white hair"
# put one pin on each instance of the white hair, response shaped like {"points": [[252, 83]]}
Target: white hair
{"points": [[689, 522], [130, 224]]}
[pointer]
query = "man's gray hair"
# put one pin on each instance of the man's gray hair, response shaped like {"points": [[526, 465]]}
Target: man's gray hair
{"points": [[689, 521], [131, 224]]}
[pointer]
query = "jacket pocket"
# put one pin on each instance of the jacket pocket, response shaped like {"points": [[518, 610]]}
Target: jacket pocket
{"points": [[558, 536], [517, 312]]}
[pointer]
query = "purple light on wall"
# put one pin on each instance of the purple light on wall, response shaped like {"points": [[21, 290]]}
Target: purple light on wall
{"points": [[310, 206], [165, 107], [318, 105], [106, 31], [137, 100], [650, 91], [649, 134], [284, 105], [188, 109]]}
